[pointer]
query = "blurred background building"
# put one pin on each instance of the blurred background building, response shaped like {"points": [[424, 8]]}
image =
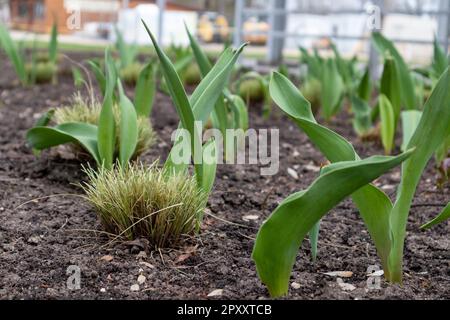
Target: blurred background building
{"points": [[274, 27]]}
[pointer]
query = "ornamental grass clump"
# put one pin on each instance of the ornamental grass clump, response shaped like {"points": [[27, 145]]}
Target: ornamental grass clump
{"points": [[146, 202]]}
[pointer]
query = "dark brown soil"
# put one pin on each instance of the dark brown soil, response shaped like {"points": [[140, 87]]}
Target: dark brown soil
{"points": [[45, 226]]}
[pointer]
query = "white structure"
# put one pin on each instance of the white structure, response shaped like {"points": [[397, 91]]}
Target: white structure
{"points": [[173, 24]]}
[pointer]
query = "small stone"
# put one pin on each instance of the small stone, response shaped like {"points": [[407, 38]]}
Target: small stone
{"points": [[141, 255], [311, 167], [378, 273], [107, 258], [295, 285], [102, 290], [345, 286], [148, 265], [250, 218], [292, 173], [216, 293], [141, 279], [296, 153], [134, 288], [342, 274], [33, 240]]}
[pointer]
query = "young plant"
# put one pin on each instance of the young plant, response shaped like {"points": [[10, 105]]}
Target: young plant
{"points": [[332, 86], [253, 87], [96, 130], [281, 235], [387, 49], [387, 118], [14, 54], [230, 111], [164, 205], [362, 121], [39, 70]]}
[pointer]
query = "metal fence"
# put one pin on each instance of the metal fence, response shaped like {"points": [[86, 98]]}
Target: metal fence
{"points": [[277, 15]]}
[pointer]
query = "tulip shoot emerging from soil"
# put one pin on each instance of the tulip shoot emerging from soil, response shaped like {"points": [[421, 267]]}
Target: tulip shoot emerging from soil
{"points": [[42, 68], [107, 132], [282, 234]]}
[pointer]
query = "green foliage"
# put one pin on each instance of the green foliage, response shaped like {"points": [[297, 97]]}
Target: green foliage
{"points": [[281, 235], [386, 48], [410, 121], [145, 91], [130, 73], [332, 89], [440, 61], [78, 78], [443, 216], [127, 53], [365, 86], [391, 87], [387, 117], [104, 133], [146, 202], [14, 54], [362, 121], [196, 108], [53, 44]]}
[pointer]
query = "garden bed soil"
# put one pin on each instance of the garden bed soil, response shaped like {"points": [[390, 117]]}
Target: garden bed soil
{"points": [[45, 226]]}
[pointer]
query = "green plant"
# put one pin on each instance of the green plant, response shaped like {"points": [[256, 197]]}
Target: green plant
{"points": [[230, 111], [197, 108], [78, 78], [253, 87], [362, 120], [311, 89], [40, 69], [42, 72], [387, 49], [410, 121], [164, 205], [443, 216], [440, 62], [281, 235], [387, 117], [127, 53], [130, 73], [12, 51], [99, 140], [146, 202], [332, 89], [364, 89], [192, 75], [83, 111]]}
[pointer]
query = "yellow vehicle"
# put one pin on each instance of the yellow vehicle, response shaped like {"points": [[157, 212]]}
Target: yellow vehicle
{"points": [[213, 27], [255, 31]]}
